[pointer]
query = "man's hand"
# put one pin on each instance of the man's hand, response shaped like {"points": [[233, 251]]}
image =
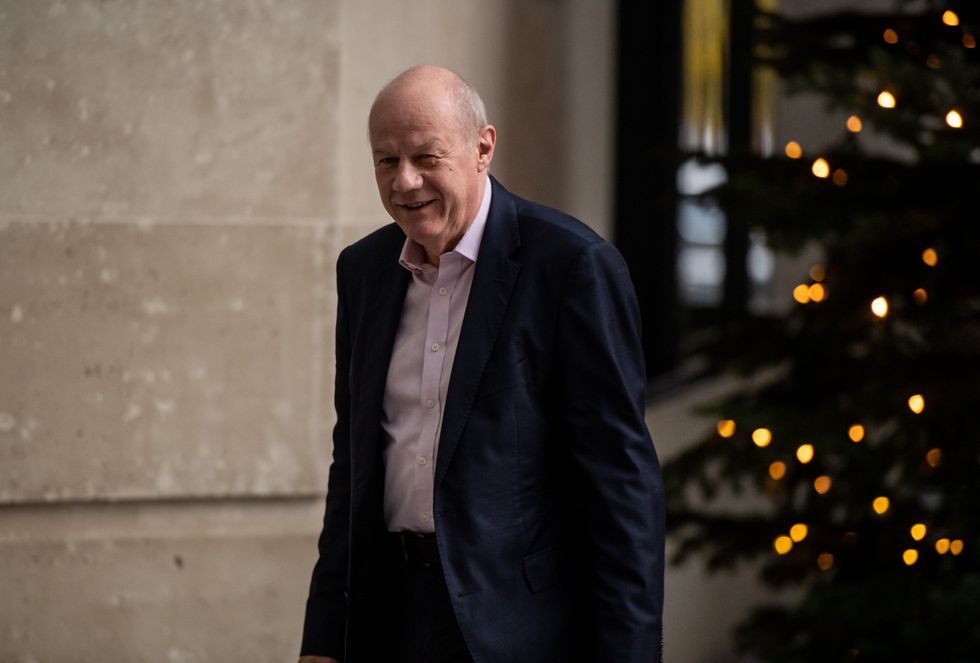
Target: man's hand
{"points": [[317, 659]]}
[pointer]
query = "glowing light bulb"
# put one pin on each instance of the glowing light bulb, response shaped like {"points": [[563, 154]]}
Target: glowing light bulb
{"points": [[890, 36], [956, 546], [942, 546], [726, 428], [798, 532], [920, 295], [783, 544], [930, 257], [969, 41], [839, 177], [805, 453], [818, 272], [821, 168], [761, 437], [910, 556], [801, 293], [918, 531], [856, 433], [817, 292], [777, 470], [880, 505], [825, 561], [794, 150], [954, 119], [934, 457], [950, 18], [917, 403], [879, 306], [822, 484], [886, 100], [854, 124]]}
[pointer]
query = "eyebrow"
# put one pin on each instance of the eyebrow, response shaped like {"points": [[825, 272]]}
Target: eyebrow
{"points": [[431, 145]]}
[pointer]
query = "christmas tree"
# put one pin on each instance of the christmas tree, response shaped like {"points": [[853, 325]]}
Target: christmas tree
{"points": [[855, 450]]}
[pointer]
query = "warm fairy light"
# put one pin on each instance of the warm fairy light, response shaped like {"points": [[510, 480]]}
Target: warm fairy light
{"points": [[726, 427], [818, 272], [793, 150], [930, 257], [956, 546], [761, 437], [942, 546], [822, 484], [798, 532], [910, 556], [821, 168], [890, 36], [856, 433], [817, 292], [934, 457], [783, 544], [969, 41], [801, 293], [880, 505], [777, 470], [950, 18], [886, 99], [825, 561], [932, 61], [920, 295], [917, 403], [805, 453], [918, 531], [839, 177], [954, 119], [854, 124], [879, 307]]}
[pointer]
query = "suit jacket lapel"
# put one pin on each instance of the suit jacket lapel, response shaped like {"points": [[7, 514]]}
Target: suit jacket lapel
{"points": [[493, 283]]}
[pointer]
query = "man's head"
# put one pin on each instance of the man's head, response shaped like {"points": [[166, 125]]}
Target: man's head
{"points": [[432, 148]]}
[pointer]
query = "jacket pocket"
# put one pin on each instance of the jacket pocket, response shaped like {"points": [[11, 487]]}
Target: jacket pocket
{"points": [[500, 379], [543, 568]]}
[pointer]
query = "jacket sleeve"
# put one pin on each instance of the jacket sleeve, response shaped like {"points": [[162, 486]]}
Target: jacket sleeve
{"points": [[603, 386], [326, 607]]}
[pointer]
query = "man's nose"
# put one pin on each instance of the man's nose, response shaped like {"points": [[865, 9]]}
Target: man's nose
{"points": [[407, 178]]}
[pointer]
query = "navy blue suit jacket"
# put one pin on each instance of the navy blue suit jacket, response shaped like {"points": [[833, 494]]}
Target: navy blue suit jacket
{"points": [[548, 497]]}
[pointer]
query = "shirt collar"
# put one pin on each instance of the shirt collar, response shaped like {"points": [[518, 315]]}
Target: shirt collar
{"points": [[412, 256]]}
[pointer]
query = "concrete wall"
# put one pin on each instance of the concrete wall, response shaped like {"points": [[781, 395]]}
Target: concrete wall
{"points": [[176, 180]]}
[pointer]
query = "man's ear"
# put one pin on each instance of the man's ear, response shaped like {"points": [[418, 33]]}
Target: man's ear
{"points": [[484, 144]]}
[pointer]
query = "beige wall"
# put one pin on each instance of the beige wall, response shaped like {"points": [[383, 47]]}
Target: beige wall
{"points": [[176, 180]]}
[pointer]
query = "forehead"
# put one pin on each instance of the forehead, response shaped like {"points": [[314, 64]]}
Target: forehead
{"points": [[413, 120]]}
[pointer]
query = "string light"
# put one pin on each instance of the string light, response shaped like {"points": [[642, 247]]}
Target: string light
{"points": [[890, 36], [930, 257], [880, 505], [817, 292], [783, 544], [950, 18], [726, 428], [777, 470], [942, 546], [854, 124], [918, 531], [761, 437], [910, 556], [793, 150], [917, 403], [805, 453], [818, 272], [886, 99], [920, 295], [822, 484], [825, 561], [932, 61], [856, 433], [954, 119], [821, 168], [798, 532], [839, 177], [969, 41], [801, 293], [879, 306], [956, 546], [934, 457]]}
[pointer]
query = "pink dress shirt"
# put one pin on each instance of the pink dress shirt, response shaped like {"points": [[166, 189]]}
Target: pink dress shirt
{"points": [[419, 371]]}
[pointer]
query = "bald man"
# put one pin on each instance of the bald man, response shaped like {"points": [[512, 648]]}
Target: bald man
{"points": [[494, 494]]}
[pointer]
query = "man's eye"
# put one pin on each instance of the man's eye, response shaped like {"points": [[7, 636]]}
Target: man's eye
{"points": [[428, 159], [387, 161]]}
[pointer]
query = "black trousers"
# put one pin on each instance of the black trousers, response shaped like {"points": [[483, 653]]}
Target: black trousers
{"points": [[425, 626]]}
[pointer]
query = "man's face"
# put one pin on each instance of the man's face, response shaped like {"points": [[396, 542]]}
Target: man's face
{"points": [[430, 173]]}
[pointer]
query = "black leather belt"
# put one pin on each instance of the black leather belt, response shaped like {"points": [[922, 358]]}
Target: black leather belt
{"points": [[416, 549]]}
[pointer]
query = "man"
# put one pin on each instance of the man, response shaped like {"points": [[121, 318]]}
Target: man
{"points": [[494, 494]]}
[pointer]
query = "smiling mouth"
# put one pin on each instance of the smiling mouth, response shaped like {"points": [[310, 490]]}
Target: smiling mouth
{"points": [[416, 206]]}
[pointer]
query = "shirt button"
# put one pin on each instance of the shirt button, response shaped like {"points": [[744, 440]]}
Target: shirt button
{"points": [[423, 460], [435, 347], [443, 291], [430, 403]]}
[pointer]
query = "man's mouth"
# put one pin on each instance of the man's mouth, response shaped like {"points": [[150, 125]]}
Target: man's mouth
{"points": [[416, 206]]}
